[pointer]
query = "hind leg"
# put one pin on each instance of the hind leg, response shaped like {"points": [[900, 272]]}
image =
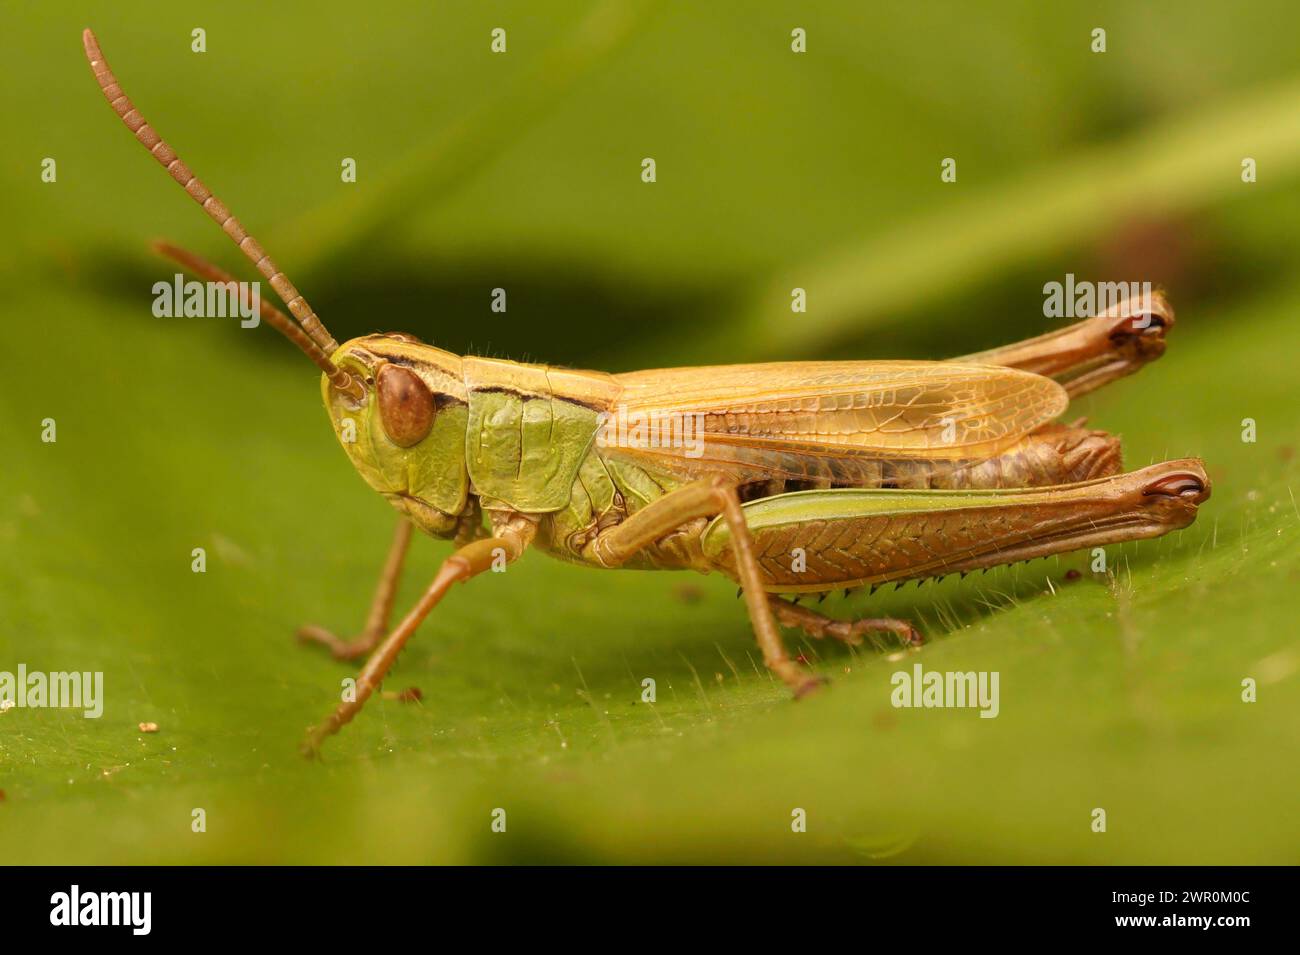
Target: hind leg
{"points": [[1094, 352]]}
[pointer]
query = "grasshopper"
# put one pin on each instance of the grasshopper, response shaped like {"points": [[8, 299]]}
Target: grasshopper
{"points": [[789, 478]]}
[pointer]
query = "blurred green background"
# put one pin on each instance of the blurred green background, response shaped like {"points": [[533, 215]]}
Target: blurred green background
{"points": [[522, 171]]}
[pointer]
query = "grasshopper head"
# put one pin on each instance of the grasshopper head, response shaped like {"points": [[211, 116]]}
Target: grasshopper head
{"points": [[405, 433], [398, 406]]}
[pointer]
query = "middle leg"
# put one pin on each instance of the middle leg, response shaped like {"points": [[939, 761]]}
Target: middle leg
{"points": [[709, 497], [820, 626]]}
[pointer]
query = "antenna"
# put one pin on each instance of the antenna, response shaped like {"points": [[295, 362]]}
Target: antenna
{"points": [[315, 331]]}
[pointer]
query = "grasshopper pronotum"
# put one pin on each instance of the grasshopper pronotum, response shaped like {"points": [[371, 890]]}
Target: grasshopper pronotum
{"points": [[798, 476]]}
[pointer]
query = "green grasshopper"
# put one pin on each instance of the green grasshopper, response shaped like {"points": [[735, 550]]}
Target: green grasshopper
{"points": [[789, 478]]}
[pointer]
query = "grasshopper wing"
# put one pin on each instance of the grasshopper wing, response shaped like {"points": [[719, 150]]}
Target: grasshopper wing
{"points": [[842, 409]]}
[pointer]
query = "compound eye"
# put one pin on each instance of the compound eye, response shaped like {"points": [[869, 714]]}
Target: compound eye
{"points": [[405, 405]]}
